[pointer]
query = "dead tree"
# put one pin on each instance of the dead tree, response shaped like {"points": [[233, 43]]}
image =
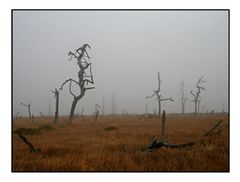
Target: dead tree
{"points": [[29, 109], [196, 95], [97, 107], [84, 79], [159, 95], [183, 97], [56, 96], [163, 124]]}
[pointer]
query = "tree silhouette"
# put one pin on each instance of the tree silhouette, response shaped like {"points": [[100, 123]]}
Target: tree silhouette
{"points": [[196, 95], [84, 79], [159, 96], [183, 97], [56, 96], [29, 109]]}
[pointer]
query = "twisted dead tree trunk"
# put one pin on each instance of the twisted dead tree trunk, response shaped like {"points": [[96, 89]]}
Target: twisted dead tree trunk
{"points": [[196, 95], [56, 96], [29, 109], [159, 96], [84, 79]]}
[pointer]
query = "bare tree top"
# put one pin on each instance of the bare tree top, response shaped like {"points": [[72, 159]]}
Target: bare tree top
{"points": [[158, 91], [199, 88], [83, 61], [27, 105]]}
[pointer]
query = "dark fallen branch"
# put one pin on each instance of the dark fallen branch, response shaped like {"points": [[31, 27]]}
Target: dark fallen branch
{"points": [[32, 148], [156, 145], [211, 131], [96, 117]]}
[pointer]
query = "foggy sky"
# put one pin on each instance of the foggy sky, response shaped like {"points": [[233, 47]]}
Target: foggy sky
{"points": [[128, 49]]}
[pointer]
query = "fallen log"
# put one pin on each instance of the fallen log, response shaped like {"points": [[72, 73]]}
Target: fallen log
{"points": [[210, 132], [162, 143], [32, 148]]}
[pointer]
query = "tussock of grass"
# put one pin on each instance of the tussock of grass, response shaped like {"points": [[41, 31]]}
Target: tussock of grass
{"points": [[27, 131], [33, 131], [110, 128]]}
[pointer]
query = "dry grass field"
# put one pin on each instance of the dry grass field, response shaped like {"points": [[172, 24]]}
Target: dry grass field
{"points": [[114, 144]]}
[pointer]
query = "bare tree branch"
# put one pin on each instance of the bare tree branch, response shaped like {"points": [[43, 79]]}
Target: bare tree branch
{"points": [[89, 88], [193, 93], [197, 97], [171, 99], [27, 105], [157, 93], [69, 80], [151, 95], [70, 89]]}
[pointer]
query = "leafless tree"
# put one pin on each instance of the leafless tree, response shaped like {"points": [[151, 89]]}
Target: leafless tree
{"points": [[160, 98], [29, 109], [183, 98], [97, 107], [196, 95], [84, 79], [56, 96]]}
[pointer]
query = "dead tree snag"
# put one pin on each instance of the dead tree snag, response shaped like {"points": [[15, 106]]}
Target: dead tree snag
{"points": [[159, 96], [163, 124], [29, 109], [196, 95], [97, 107], [56, 96], [84, 79]]}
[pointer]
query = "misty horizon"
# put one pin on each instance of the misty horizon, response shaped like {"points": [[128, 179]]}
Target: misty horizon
{"points": [[128, 48]]}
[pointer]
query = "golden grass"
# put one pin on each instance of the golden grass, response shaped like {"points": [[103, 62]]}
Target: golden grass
{"points": [[113, 144]]}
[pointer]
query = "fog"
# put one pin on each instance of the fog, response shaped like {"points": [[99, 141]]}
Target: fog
{"points": [[128, 48]]}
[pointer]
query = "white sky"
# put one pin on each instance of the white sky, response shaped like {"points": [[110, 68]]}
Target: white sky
{"points": [[128, 49]]}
